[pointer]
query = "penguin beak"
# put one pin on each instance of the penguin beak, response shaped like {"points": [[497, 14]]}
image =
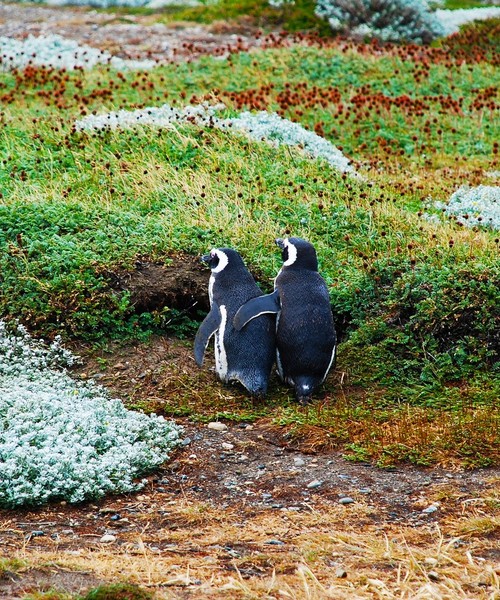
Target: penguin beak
{"points": [[280, 243], [206, 258]]}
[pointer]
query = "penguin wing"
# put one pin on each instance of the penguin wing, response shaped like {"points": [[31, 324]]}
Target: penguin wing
{"points": [[206, 330], [270, 303]]}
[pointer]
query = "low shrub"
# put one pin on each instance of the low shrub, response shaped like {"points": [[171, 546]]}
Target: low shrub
{"points": [[386, 20], [66, 440]]}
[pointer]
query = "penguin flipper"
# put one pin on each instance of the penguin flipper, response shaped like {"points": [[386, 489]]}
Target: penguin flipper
{"points": [[206, 330], [255, 307]]}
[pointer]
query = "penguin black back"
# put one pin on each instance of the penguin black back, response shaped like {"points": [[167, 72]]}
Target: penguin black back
{"points": [[306, 336]]}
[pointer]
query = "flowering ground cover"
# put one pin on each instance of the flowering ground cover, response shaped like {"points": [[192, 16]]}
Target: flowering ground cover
{"points": [[66, 440]]}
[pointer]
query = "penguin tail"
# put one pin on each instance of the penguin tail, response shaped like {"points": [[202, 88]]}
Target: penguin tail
{"points": [[256, 385]]}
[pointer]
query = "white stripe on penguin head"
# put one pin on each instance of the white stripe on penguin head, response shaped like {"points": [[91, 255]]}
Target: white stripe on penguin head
{"points": [[292, 253], [223, 260]]}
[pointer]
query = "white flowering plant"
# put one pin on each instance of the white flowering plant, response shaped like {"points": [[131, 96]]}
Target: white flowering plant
{"points": [[452, 20], [476, 206], [60, 53], [61, 439], [386, 20], [261, 126]]}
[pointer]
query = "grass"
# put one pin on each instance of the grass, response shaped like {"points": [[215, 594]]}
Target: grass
{"points": [[416, 301], [324, 555]]}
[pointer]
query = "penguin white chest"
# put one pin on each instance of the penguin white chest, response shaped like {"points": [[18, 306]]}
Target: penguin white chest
{"points": [[211, 282], [220, 351]]}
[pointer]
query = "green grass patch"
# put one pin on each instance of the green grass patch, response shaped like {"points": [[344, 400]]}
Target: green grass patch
{"points": [[416, 301]]}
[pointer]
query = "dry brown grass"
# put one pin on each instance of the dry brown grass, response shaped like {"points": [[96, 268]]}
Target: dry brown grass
{"points": [[201, 551]]}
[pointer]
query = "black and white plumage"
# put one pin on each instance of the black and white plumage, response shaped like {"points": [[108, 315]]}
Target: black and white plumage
{"points": [[305, 332], [246, 356]]}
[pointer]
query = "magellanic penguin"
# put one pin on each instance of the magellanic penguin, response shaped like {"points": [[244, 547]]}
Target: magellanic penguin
{"points": [[245, 356], [305, 332]]}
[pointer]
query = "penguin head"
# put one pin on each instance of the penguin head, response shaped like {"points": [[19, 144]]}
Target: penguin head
{"points": [[220, 258], [298, 253]]}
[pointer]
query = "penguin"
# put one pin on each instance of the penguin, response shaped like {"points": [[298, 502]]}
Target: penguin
{"points": [[305, 333], [246, 356]]}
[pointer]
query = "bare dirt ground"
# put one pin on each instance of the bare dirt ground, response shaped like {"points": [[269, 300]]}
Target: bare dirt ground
{"points": [[130, 36], [240, 512]]}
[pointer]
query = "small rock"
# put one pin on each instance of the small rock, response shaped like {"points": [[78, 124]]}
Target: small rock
{"points": [[315, 483], [274, 543], [261, 466], [186, 441], [430, 509], [266, 496], [299, 462], [432, 562], [227, 446], [217, 426], [108, 538], [340, 573], [116, 517], [365, 491], [433, 576], [243, 458], [37, 533], [346, 500]]}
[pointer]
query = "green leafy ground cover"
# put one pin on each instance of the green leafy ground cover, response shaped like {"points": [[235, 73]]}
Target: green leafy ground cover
{"points": [[416, 300]]}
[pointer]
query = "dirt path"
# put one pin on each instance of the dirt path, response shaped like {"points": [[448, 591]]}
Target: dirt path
{"points": [[130, 36]]}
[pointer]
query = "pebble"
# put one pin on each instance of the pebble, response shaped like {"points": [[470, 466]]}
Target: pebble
{"points": [[315, 483], [433, 576], [186, 441], [432, 562], [227, 446], [274, 543], [365, 491], [266, 496], [299, 462], [340, 573], [108, 538], [37, 533], [430, 509], [346, 500], [217, 426]]}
